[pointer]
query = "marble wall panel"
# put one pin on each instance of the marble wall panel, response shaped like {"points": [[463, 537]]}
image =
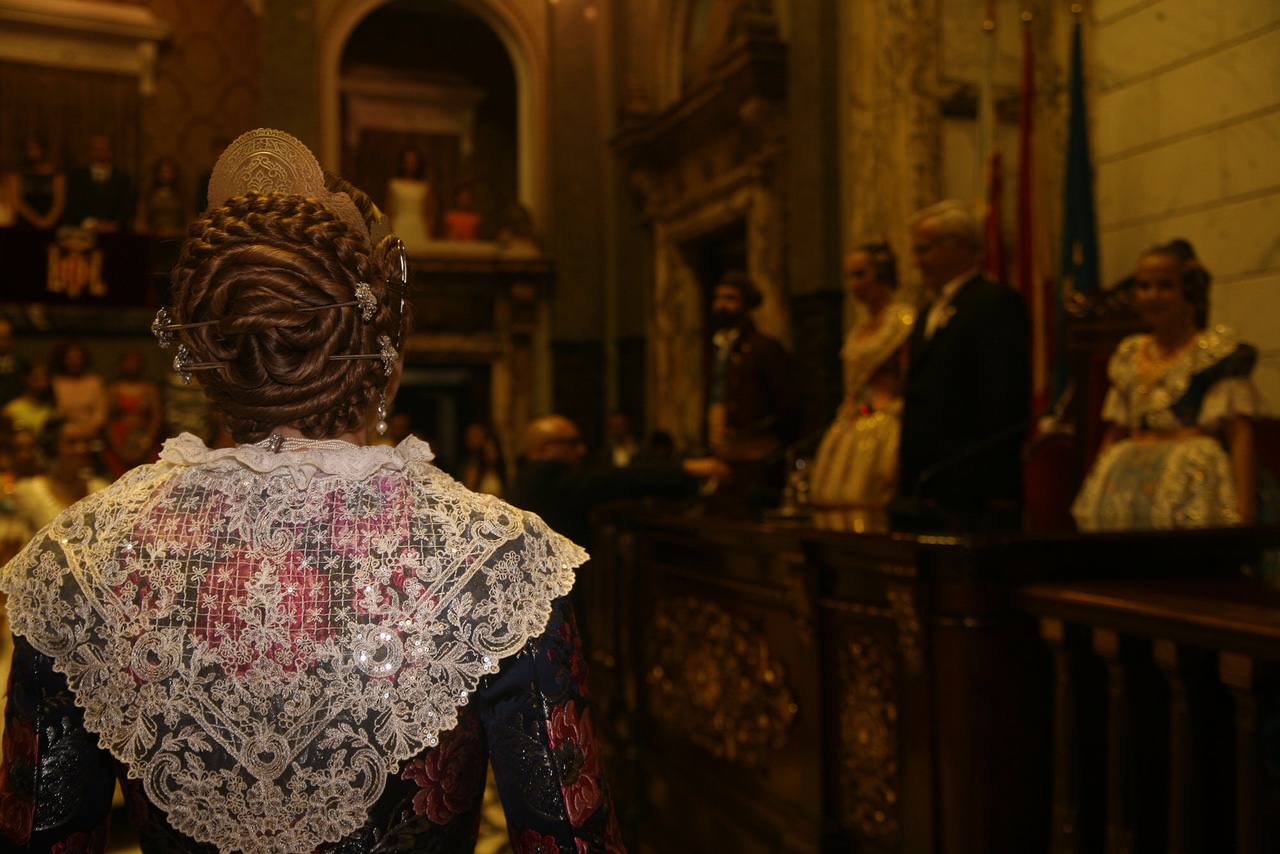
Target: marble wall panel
{"points": [[1236, 83], [1235, 240], [1251, 306], [1157, 35], [1197, 171], [1107, 10]]}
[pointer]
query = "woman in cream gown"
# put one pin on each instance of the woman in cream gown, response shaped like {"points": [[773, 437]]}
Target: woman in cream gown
{"points": [[857, 463], [409, 201]]}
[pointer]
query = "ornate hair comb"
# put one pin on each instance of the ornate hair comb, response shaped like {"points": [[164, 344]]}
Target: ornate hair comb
{"points": [[266, 160]]}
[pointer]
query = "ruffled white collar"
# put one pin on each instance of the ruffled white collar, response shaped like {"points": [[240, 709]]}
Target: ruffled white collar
{"points": [[328, 457]]}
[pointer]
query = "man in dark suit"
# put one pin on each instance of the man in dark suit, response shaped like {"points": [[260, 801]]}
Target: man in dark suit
{"points": [[968, 388], [99, 194], [752, 407]]}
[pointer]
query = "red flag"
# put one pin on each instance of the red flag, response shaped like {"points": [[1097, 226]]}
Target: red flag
{"points": [[1026, 273], [994, 264]]}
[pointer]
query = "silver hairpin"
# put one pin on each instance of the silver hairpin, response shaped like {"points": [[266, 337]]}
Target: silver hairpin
{"points": [[386, 352], [367, 301], [184, 366], [163, 327], [160, 329]]}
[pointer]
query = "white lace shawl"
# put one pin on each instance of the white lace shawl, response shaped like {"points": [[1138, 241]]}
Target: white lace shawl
{"points": [[863, 356], [261, 638], [1141, 403]]}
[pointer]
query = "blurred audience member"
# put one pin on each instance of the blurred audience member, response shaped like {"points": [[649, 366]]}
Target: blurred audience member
{"points": [[553, 482], [621, 446], [68, 478], [162, 212], [135, 418], [186, 410], [13, 368], [517, 233], [857, 462], [30, 410], [483, 469], [410, 203], [463, 221], [37, 193], [79, 394], [25, 459], [752, 404], [99, 195], [661, 446]]}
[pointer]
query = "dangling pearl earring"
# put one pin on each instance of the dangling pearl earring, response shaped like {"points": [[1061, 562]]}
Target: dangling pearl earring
{"points": [[381, 426]]}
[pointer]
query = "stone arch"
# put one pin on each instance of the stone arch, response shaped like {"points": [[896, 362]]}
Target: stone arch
{"points": [[528, 60]]}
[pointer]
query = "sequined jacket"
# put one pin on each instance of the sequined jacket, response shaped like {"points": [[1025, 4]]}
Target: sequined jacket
{"points": [[531, 720]]}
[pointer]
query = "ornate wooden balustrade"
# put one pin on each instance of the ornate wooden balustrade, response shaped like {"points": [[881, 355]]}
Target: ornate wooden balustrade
{"points": [[1161, 694], [774, 687]]}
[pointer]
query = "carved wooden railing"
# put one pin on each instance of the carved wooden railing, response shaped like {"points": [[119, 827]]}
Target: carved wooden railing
{"points": [[1168, 685]]}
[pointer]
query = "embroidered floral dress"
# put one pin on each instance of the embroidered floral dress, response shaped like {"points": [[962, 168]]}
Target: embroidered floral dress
{"points": [[857, 462], [1172, 470], [316, 649]]}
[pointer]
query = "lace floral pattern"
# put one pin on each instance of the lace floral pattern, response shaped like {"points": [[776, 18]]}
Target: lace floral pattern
{"points": [[263, 638], [863, 355], [1186, 483], [1142, 400]]}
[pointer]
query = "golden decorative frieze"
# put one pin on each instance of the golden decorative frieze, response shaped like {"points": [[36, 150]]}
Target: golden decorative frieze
{"points": [[868, 739], [714, 680]]}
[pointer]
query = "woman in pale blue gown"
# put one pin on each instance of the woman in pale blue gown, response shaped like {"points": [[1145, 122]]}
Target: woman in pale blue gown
{"points": [[1178, 451]]}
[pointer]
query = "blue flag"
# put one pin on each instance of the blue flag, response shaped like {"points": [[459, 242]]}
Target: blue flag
{"points": [[1079, 272]]}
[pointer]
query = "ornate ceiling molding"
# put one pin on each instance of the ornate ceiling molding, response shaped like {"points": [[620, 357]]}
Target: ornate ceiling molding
{"points": [[82, 35]]}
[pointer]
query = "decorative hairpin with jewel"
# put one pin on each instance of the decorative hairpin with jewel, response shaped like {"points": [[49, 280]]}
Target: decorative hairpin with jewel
{"points": [[164, 328], [183, 364]]}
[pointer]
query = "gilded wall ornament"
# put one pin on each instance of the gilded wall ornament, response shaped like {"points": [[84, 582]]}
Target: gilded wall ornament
{"points": [[714, 680], [869, 739]]}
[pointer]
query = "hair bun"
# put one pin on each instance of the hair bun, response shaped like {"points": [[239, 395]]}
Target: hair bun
{"points": [[251, 266]]}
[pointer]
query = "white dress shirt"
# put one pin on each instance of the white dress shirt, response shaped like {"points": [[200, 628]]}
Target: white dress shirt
{"points": [[941, 310]]}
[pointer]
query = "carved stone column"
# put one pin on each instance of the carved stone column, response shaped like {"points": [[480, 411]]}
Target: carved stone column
{"points": [[891, 124]]}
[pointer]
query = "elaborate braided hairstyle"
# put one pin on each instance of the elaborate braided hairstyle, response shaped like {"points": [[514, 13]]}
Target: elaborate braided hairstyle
{"points": [[1192, 275], [884, 264], [249, 270]]}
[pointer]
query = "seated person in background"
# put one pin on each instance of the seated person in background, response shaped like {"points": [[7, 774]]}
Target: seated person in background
{"points": [[68, 454], [553, 482], [483, 469], [751, 403], [968, 392], [136, 418], [463, 221], [30, 410], [1178, 395], [517, 233], [13, 368], [621, 446], [857, 462], [37, 193], [163, 213], [79, 394], [99, 195]]}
